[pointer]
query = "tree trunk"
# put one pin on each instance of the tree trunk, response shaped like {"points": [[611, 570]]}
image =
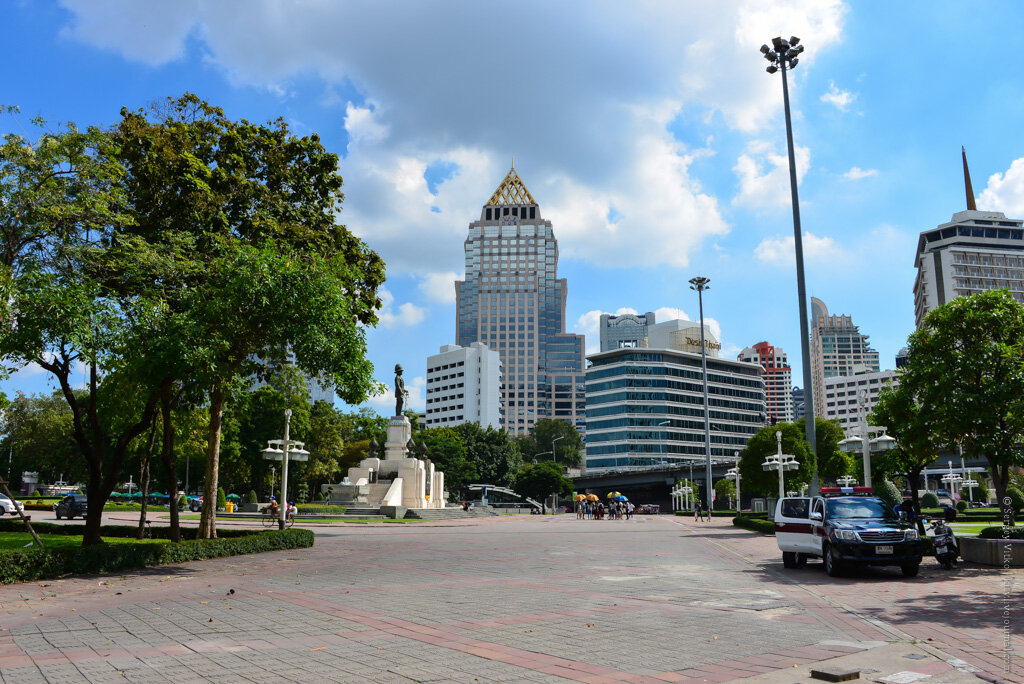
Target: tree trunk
{"points": [[144, 481], [208, 523], [166, 401], [913, 477], [1001, 478]]}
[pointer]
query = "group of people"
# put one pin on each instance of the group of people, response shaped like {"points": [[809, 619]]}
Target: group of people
{"points": [[275, 508], [596, 510]]}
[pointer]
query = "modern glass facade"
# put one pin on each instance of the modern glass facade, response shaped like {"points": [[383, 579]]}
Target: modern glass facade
{"points": [[646, 407], [513, 301]]}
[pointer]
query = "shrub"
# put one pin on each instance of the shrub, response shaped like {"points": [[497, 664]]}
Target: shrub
{"points": [[19, 565], [961, 505], [302, 493], [251, 497], [997, 533], [38, 494], [321, 508], [755, 524], [222, 498], [929, 500], [1016, 498], [182, 501], [319, 496], [889, 493]]}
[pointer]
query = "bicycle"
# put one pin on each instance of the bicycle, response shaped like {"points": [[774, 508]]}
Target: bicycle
{"points": [[270, 519]]}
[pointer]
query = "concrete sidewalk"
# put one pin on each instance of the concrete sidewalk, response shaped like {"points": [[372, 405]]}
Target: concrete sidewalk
{"points": [[505, 599]]}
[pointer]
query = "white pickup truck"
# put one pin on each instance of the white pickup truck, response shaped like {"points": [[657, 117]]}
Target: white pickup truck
{"points": [[846, 528]]}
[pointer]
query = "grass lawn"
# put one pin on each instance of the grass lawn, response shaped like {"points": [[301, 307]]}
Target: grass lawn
{"points": [[18, 540], [196, 516], [971, 529]]}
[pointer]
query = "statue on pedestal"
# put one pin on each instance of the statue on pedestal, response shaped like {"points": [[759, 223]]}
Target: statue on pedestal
{"points": [[401, 394]]}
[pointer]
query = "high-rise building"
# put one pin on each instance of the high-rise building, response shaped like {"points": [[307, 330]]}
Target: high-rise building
{"points": [[624, 331], [837, 348], [848, 399], [778, 381], [973, 252], [799, 406], [464, 386], [513, 301]]}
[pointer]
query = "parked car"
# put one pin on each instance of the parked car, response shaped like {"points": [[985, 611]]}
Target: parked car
{"points": [[72, 505], [8, 506], [195, 503]]}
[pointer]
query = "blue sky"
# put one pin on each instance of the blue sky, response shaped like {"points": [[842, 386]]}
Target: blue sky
{"points": [[649, 133]]}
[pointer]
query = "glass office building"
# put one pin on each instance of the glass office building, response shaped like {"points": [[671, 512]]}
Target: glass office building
{"points": [[513, 301], [645, 407]]}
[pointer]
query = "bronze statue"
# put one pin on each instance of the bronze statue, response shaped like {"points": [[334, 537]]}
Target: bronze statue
{"points": [[401, 394]]}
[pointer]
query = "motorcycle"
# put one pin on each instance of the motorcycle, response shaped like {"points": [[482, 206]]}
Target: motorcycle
{"points": [[947, 550]]}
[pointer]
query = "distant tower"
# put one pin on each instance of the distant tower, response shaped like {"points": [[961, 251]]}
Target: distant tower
{"points": [[624, 330], [837, 349], [513, 301], [975, 251], [778, 381]]}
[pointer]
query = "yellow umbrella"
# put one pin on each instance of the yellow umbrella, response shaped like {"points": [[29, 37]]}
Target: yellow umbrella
{"points": [[580, 497], [612, 495], [593, 497]]}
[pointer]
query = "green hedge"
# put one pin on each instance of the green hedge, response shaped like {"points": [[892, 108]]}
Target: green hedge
{"points": [[970, 515], [21, 565], [158, 532], [321, 508], [1016, 532], [755, 524]]}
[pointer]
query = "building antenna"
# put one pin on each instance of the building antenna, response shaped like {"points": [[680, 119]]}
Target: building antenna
{"points": [[971, 206]]}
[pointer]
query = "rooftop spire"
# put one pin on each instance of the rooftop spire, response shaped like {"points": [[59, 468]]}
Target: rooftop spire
{"points": [[511, 191], [971, 206]]}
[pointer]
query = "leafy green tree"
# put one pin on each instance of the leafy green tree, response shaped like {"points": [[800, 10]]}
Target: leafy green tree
{"points": [[247, 214], [493, 453], [326, 445], [899, 409], [545, 433], [762, 445], [448, 453], [540, 480], [832, 462], [930, 500], [889, 493], [725, 490], [966, 365], [364, 424], [40, 438]]}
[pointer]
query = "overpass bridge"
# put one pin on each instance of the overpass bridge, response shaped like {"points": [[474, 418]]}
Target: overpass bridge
{"points": [[649, 485]]}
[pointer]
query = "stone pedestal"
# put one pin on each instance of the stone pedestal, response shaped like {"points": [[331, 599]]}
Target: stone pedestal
{"points": [[397, 480]]}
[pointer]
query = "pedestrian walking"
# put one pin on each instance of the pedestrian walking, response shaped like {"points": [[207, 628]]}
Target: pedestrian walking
{"points": [[698, 512]]}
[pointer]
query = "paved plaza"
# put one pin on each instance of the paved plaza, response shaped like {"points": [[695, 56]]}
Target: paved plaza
{"points": [[510, 599]]}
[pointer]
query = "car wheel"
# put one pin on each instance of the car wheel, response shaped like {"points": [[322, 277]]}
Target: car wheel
{"points": [[58, 514], [910, 569], [801, 560], [788, 559], [832, 566]]}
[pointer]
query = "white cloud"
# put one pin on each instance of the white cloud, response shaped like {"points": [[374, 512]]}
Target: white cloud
{"points": [[408, 314], [613, 72], [763, 173], [780, 251], [840, 99], [386, 401], [857, 173], [440, 287], [1005, 191]]}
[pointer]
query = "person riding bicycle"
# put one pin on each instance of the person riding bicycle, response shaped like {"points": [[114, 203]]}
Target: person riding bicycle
{"points": [[292, 509], [273, 507]]}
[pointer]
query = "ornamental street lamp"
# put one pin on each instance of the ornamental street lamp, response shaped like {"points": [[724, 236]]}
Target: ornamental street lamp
{"points": [[281, 450], [780, 462], [700, 283], [734, 473], [782, 56], [846, 481], [952, 480], [968, 481], [682, 490]]}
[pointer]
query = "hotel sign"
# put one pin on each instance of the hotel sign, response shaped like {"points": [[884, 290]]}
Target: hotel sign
{"points": [[695, 342]]}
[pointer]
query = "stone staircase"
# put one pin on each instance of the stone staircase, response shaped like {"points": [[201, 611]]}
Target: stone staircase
{"points": [[453, 513]]}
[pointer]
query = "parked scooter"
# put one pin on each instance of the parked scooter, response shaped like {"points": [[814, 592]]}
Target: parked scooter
{"points": [[947, 549]]}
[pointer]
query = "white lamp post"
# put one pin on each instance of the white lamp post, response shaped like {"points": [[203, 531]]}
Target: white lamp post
{"points": [[952, 479], [682, 490], [846, 481], [734, 473], [281, 450], [780, 462]]}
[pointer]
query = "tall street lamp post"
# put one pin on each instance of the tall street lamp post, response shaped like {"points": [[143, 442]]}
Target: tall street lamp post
{"points": [[734, 473], [782, 56], [281, 450], [700, 283]]}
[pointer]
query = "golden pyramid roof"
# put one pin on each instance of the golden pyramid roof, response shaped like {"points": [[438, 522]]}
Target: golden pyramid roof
{"points": [[511, 191]]}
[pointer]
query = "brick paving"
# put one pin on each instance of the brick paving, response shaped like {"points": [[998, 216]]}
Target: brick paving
{"points": [[508, 599]]}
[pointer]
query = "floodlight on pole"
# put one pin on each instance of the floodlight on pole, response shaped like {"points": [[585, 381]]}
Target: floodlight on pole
{"points": [[782, 58], [700, 283], [280, 450]]}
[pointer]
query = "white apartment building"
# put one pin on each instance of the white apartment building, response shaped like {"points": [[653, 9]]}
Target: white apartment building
{"points": [[847, 397], [464, 386], [838, 349]]}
